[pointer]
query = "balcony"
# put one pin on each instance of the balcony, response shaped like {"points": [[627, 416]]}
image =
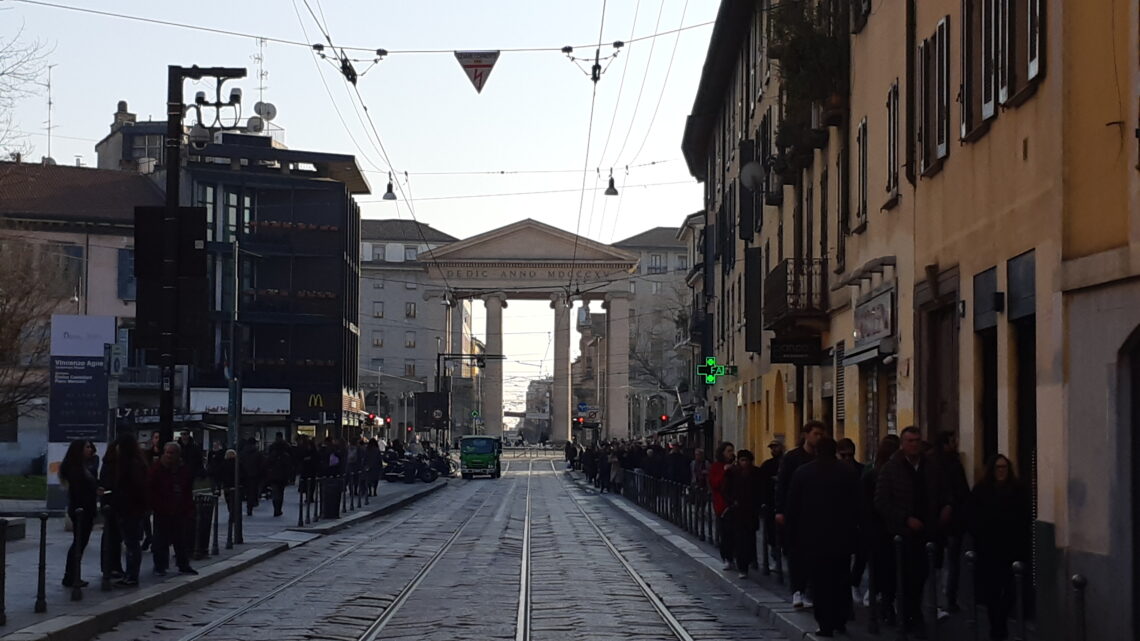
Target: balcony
{"points": [[141, 377], [794, 295], [657, 269]]}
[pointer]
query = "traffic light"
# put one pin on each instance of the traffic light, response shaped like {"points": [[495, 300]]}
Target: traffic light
{"points": [[581, 420], [664, 419], [388, 420], [371, 419]]}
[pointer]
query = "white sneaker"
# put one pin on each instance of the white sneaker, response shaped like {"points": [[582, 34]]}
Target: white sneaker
{"points": [[943, 614], [807, 602], [855, 596], [867, 599], [798, 600], [728, 565], [742, 575]]}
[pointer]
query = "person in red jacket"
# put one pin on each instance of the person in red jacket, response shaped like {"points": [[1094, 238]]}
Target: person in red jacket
{"points": [[171, 487], [725, 455]]}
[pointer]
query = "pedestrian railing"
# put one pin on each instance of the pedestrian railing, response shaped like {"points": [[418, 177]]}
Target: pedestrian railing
{"points": [[331, 496], [686, 506]]}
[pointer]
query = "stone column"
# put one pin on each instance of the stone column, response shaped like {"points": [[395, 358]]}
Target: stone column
{"points": [[560, 413], [493, 372], [616, 412]]}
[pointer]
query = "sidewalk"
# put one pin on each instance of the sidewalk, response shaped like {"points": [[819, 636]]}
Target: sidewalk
{"points": [[768, 596], [98, 611]]}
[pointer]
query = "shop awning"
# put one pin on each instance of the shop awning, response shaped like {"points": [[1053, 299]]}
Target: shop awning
{"points": [[879, 348], [679, 424]]}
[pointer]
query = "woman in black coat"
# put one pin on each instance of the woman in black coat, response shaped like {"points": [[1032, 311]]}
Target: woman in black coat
{"points": [[744, 492], [75, 474], [1000, 522]]}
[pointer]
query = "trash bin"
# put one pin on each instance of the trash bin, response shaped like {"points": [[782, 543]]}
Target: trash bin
{"points": [[203, 521]]}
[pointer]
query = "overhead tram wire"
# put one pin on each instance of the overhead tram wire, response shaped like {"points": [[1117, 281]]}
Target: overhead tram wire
{"points": [[641, 90], [589, 134], [295, 43]]}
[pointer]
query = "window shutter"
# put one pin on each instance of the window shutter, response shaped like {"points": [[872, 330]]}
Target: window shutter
{"points": [[920, 131], [1002, 40], [1035, 39], [127, 284], [943, 89], [965, 99], [989, 57], [840, 383]]}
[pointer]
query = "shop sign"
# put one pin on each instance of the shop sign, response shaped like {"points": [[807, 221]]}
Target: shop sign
{"points": [[797, 350], [874, 318]]}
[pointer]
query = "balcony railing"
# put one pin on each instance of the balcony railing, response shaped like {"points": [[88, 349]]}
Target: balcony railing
{"points": [[794, 290], [657, 269], [144, 376]]}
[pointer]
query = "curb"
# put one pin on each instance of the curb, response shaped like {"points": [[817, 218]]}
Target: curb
{"points": [[96, 620], [768, 606]]}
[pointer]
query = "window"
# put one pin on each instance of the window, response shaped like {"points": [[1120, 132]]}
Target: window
{"points": [[147, 146], [934, 98], [206, 199], [378, 364], [410, 368], [409, 339], [656, 264], [656, 289], [1018, 39], [861, 144], [69, 264], [9, 419], [409, 252], [378, 338], [378, 252], [127, 284], [682, 262], [632, 287], [975, 93], [377, 283], [411, 284], [409, 310], [378, 309], [893, 139]]}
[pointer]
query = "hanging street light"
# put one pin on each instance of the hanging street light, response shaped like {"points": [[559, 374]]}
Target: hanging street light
{"points": [[391, 195], [611, 190]]}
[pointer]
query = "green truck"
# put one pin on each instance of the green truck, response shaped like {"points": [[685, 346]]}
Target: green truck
{"points": [[480, 455]]}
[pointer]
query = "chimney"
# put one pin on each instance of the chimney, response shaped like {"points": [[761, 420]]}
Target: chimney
{"points": [[122, 117]]}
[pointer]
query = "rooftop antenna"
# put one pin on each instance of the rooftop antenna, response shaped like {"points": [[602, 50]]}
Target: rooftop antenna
{"points": [[262, 74], [50, 105]]}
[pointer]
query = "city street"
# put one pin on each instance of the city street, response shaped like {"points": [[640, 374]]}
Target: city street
{"points": [[529, 556]]}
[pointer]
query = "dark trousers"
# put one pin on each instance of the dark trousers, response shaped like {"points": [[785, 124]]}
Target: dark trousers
{"points": [[250, 489], [996, 587], [914, 579], [130, 527], [953, 568], [798, 570], [744, 545], [171, 531], [111, 544], [830, 590], [727, 536], [82, 528], [277, 491], [883, 574], [858, 566]]}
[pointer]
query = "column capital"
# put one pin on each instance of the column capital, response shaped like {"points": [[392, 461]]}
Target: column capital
{"points": [[559, 299], [500, 297]]}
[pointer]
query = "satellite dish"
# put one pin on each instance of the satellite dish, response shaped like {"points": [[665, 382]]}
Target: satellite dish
{"points": [[266, 110], [254, 125], [752, 175]]}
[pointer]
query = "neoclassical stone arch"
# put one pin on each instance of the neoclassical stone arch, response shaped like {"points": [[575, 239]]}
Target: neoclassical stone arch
{"points": [[534, 261]]}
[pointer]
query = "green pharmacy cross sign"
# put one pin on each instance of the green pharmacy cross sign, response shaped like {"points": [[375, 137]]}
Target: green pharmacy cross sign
{"points": [[711, 371]]}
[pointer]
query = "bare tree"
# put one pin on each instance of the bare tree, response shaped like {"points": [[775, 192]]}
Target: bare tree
{"points": [[22, 64], [652, 359], [30, 286]]}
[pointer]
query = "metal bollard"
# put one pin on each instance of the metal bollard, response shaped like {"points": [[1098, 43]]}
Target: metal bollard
{"points": [[765, 561], [1019, 587], [901, 613], [41, 581], [300, 507], [343, 494], [972, 608], [3, 570], [229, 494], [217, 515], [1079, 584], [76, 560], [932, 591]]}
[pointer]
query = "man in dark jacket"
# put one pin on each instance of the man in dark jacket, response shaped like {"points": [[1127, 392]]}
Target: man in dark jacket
{"points": [[910, 498], [813, 431], [823, 511], [251, 466], [769, 470], [278, 471], [171, 489], [744, 494], [952, 476]]}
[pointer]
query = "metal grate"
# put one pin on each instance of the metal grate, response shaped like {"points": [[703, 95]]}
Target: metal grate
{"points": [[840, 383]]}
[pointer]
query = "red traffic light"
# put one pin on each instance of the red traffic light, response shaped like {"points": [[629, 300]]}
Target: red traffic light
{"points": [[581, 420], [372, 417], [409, 428], [664, 418], [388, 420]]}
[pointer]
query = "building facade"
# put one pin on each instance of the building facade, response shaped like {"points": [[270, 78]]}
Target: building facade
{"points": [[918, 215]]}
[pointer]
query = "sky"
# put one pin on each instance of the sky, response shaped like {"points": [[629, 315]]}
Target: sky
{"points": [[532, 115]]}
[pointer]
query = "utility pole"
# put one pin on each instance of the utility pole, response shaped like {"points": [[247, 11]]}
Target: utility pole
{"points": [[233, 434]]}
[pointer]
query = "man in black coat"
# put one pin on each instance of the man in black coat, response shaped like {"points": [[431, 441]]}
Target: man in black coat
{"points": [[769, 470], [744, 494], [823, 511], [813, 431], [910, 498], [952, 476]]}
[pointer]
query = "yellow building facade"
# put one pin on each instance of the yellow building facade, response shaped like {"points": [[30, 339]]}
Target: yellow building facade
{"points": [[928, 213]]}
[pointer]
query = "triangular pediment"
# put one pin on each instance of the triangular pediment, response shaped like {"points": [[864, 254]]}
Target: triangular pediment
{"points": [[530, 241]]}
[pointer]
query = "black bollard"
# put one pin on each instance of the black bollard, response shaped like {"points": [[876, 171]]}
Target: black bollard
{"points": [[105, 554], [932, 591], [872, 594], [3, 570], [1019, 590], [230, 498], [343, 495], [972, 608], [318, 506], [214, 549], [41, 581], [901, 613], [778, 535], [1079, 584], [300, 507], [76, 560]]}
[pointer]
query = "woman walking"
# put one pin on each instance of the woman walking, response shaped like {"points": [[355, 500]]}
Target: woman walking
{"points": [[1000, 518], [82, 489], [725, 455], [128, 496]]}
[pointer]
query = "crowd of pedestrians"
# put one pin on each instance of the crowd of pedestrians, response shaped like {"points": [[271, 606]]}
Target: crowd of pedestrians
{"points": [[834, 520], [144, 491]]}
